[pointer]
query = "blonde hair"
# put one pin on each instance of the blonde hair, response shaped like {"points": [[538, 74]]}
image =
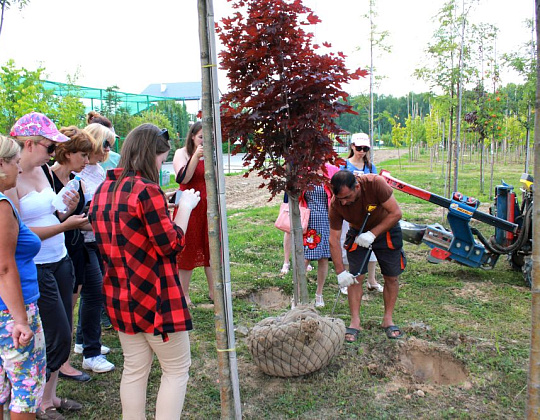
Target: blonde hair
{"points": [[99, 134], [8, 150], [22, 139]]}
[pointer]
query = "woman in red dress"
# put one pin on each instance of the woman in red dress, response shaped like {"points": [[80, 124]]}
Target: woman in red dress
{"points": [[188, 166]]}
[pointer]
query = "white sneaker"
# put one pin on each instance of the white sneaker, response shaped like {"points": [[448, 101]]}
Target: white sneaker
{"points": [[78, 348], [97, 364], [319, 301]]}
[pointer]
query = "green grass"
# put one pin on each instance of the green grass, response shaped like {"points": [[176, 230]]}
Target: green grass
{"points": [[479, 318]]}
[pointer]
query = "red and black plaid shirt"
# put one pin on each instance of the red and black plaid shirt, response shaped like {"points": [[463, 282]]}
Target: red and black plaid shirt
{"points": [[139, 242]]}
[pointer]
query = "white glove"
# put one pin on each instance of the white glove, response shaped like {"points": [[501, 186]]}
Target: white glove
{"points": [[189, 199], [365, 239], [345, 279]]}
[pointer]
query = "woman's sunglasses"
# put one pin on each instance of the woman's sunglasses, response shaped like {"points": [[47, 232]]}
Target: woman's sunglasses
{"points": [[50, 148], [106, 144], [164, 133], [364, 149]]}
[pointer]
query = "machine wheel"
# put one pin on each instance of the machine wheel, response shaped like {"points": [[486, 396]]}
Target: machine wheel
{"points": [[516, 261], [527, 271]]}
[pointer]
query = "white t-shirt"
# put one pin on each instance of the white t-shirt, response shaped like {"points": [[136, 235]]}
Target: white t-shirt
{"points": [[92, 176]]}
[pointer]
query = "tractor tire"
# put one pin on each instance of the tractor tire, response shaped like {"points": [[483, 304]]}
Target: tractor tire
{"points": [[527, 271], [516, 261]]}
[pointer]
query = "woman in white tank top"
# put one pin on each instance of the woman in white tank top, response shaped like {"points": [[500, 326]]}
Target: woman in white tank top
{"points": [[33, 195]]}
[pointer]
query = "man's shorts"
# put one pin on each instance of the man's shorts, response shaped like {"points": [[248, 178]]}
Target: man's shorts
{"points": [[388, 248]]}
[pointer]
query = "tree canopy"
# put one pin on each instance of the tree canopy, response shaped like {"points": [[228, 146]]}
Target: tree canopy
{"points": [[283, 96]]}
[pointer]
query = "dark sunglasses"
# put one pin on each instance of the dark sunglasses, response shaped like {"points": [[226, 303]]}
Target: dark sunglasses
{"points": [[362, 148], [50, 148], [164, 133], [106, 144]]}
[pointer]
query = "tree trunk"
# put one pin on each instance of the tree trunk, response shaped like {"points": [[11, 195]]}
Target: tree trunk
{"points": [[533, 392], [460, 90], [482, 152], [297, 252], [492, 165], [217, 219], [450, 152], [2, 15], [527, 139]]}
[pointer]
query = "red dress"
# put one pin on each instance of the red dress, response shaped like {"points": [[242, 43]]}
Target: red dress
{"points": [[196, 252]]}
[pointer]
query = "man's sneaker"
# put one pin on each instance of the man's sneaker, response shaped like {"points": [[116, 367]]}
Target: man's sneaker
{"points": [[78, 348], [97, 364]]}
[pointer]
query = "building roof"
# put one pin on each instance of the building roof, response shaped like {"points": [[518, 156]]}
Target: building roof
{"points": [[186, 90]]}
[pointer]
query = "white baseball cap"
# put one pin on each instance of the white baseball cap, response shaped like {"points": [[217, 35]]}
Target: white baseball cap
{"points": [[360, 139]]}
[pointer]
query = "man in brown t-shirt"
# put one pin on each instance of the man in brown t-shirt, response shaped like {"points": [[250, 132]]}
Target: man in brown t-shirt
{"points": [[356, 197]]}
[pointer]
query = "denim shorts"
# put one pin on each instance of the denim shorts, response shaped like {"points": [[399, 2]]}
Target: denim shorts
{"points": [[22, 370]]}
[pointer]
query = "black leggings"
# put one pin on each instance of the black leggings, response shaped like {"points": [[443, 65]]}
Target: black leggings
{"points": [[55, 304]]}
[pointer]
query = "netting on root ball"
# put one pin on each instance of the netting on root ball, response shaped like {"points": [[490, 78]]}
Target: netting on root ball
{"points": [[296, 343]]}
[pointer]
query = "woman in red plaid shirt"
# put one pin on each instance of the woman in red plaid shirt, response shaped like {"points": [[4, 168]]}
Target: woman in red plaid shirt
{"points": [[143, 297]]}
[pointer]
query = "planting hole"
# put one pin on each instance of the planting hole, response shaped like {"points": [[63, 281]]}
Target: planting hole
{"points": [[433, 366], [271, 298]]}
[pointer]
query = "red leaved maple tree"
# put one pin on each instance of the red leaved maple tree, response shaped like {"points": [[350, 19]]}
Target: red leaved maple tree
{"points": [[283, 96]]}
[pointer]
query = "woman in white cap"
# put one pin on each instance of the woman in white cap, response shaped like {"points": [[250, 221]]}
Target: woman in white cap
{"points": [[359, 163], [33, 196]]}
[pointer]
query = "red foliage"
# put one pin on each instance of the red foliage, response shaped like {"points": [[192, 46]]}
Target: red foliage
{"points": [[283, 96]]}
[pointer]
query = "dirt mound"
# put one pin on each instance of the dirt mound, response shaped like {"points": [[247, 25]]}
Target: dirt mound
{"points": [[271, 298]]}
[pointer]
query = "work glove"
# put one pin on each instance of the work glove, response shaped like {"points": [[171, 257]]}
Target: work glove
{"points": [[189, 199], [365, 239], [345, 279]]}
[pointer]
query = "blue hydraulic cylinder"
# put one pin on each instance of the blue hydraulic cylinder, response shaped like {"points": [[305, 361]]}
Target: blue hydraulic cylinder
{"points": [[505, 208], [464, 247]]}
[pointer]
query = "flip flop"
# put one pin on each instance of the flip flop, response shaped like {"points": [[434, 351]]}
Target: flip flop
{"points": [[351, 331], [392, 329]]}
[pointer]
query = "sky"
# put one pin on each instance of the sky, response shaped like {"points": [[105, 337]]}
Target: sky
{"points": [[134, 43]]}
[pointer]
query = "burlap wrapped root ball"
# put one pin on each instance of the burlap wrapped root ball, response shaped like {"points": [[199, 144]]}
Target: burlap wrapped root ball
{"points": [[296, 343]]}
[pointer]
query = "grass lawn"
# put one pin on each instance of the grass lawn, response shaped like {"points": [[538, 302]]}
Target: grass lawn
{"points": [[465, 354]]}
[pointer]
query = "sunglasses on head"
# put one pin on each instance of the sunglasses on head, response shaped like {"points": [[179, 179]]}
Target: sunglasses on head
{"points": [[50, 148], [362, 148], [164, 133]]}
